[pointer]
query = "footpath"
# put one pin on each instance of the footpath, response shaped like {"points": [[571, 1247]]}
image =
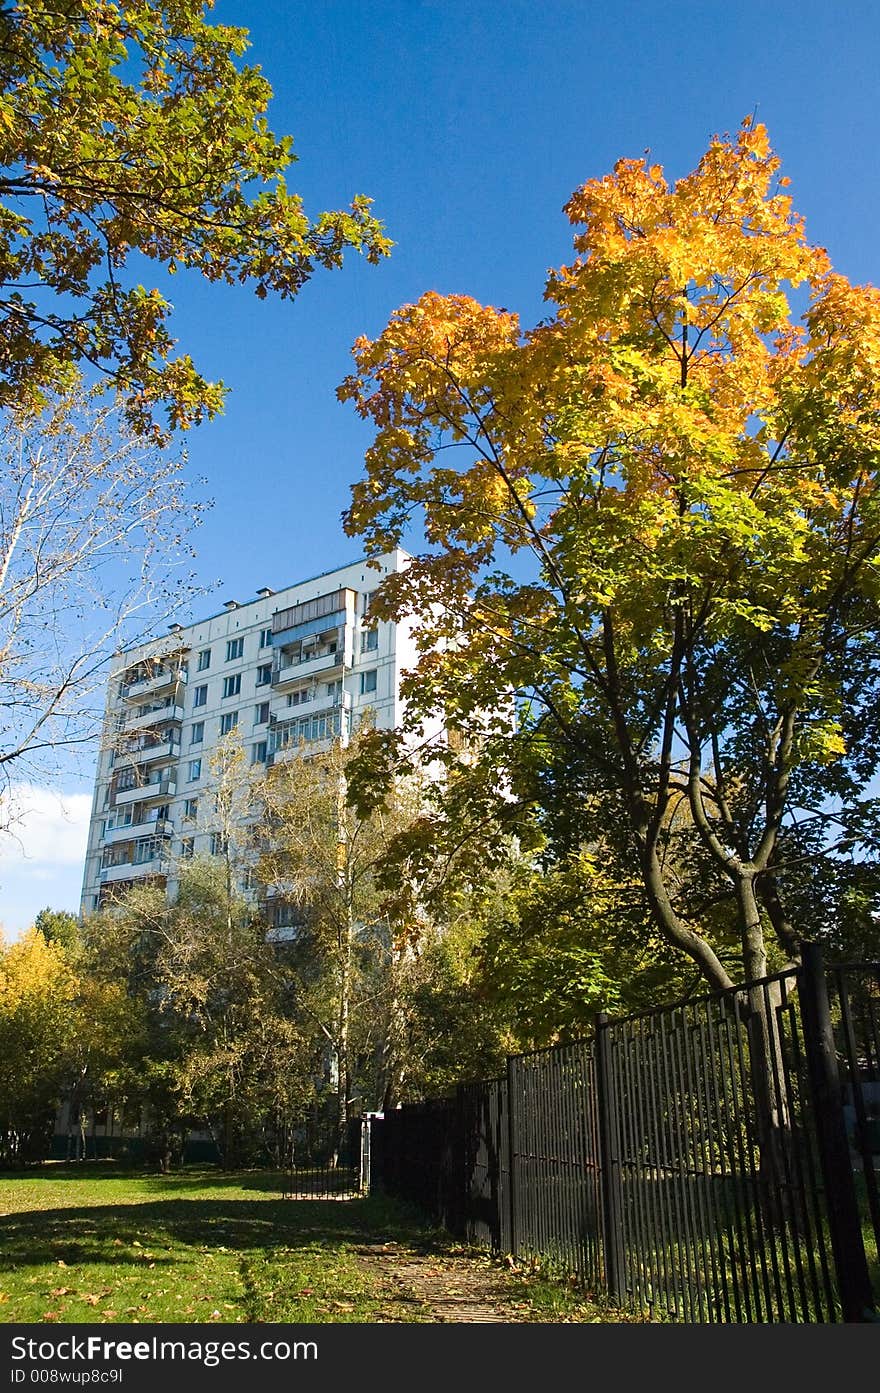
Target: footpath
{"points": [[463, 1286]]}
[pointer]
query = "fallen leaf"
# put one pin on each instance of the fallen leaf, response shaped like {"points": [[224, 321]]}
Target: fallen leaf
{"points": [[90, 1299], [51, 1315], [60, 1291]]}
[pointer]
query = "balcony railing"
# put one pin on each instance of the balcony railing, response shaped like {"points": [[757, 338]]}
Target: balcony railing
{"points": [[313, 705], [144, 754], [126, 870], [142, 721], [286, 673], [164, 787], [160, 681]]}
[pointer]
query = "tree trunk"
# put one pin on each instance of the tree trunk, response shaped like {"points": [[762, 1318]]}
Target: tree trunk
{"points": [[767, 1071], [343, 1070]]}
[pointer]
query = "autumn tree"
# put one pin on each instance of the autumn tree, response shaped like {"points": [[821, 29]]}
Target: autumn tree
{"points": [[221, 1047], [37, 1031], [654, 519], [133, 133]]}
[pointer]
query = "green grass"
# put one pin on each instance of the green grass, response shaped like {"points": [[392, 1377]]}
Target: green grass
{"points": [[98, 1243]]}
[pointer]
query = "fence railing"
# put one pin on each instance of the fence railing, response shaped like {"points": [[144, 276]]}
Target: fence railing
{"points": [[697, 1162], [317, 1162]]}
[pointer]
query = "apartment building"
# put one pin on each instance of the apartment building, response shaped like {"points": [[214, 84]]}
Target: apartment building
{"points": [[289, 670]]}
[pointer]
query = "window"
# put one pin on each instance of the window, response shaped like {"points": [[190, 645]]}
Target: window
{"points": [[261, 713], [219, 844], [228, 722], [299, 698], [232, 685], [195, 770], [266, 638], [146, 850], [264, 674], [258, 752], [369, 640], [191, 809], [368, 681], [234, 648], [188, 848], [204, 660], [369, 596], [198, 733], [200, 695]]}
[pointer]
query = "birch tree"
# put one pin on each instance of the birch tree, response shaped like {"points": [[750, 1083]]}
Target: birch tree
{"points": [[95, 554]]}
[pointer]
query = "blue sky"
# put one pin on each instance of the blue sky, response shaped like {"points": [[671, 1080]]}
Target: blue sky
{"points": [[469, 124]]}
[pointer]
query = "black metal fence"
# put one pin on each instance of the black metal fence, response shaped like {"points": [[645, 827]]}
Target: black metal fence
{"points": [[318, 1164], [696, 1162]]}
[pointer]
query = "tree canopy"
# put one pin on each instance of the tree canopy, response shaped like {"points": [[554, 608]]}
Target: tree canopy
{"points": [[132, 131], [654, 519]]}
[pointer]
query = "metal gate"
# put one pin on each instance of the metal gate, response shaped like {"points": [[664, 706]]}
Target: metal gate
{"points": [[318, 1165]]}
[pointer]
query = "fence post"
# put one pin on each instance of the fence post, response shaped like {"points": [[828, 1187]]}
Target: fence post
{"points": [[511, 1144], [844, 1221], [609, 1168], [366, 1138]]}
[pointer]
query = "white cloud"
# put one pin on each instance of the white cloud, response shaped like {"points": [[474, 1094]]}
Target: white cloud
{"points": [[41, 853], [43, 828]]}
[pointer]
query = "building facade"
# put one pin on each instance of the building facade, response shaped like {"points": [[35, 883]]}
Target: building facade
{"points": [[289, 670]]}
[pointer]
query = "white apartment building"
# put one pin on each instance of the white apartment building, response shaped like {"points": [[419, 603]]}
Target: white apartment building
{"points": [[291, 668]]}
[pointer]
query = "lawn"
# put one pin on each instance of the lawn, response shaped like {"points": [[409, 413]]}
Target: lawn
{"points": [[96, 1243]]}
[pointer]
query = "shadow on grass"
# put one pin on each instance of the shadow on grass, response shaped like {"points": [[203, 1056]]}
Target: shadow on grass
{"points": [[109, 1233]]}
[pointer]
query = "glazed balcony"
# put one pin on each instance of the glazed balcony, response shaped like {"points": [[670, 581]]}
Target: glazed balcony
{"points": [[127, 831]]}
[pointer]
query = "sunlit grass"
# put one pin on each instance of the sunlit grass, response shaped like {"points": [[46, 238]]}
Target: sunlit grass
{"points": [[96, 1244]]}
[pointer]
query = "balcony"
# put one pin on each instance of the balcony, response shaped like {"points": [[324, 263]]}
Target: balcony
{"points": [[337, 701], [129, 870], [164, 787], [153, 718], [147, 857], [163, 680], [285, 674], [148, 754], [303, 749], [127, 831]]}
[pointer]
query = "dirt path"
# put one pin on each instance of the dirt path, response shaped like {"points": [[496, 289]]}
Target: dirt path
{"points": [[445, 1287]]}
